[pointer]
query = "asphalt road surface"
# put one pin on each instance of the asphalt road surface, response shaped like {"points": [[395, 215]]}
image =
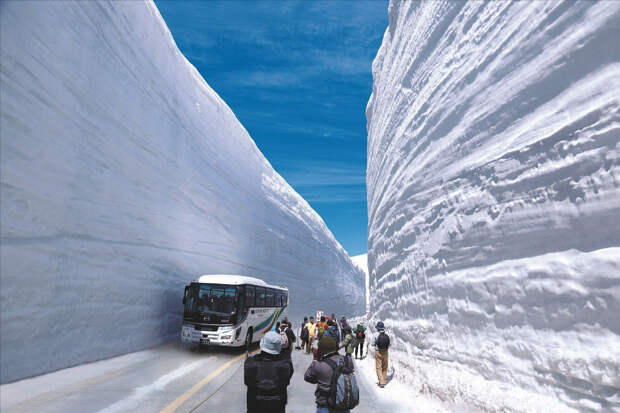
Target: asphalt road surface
{"points": [[165, 379]]}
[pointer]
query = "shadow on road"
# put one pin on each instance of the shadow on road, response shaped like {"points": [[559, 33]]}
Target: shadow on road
{"points": [[390, 375], [200, 349]]}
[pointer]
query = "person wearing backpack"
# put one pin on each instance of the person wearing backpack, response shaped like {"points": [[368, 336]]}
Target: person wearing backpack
{"points": [[343, 326], [336, 390], [287, 329], [360, 335], [381, 344], [321, 326], [349, 343], [332, 331], [304, 335], [267, 376], [284, 342]]}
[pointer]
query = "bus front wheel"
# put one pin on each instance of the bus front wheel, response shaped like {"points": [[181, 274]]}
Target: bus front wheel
{"points": [[248, 339]]}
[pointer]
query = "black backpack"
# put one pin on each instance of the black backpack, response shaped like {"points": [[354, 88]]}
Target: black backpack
{"points": [[291, 335], [344, 393], [383, 341], [268, 388], [305, 335]]}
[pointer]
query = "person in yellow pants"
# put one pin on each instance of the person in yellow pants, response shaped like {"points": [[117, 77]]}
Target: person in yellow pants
{"points": [[382, 345]]}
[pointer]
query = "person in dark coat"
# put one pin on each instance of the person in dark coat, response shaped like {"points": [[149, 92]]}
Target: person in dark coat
{"points": [[320, 373], [360, 335], [343, 326], [332, 331], [303, 336], [267, 376], [287, 328]]}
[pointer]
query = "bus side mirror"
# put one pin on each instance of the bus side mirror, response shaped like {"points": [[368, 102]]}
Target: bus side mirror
{"points": [[183, 299]]}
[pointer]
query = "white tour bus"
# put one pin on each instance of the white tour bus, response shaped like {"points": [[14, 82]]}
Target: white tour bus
{"points": [[231, 310]]}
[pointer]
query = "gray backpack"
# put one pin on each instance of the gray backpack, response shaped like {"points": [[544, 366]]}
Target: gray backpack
{"points": [[344, 394]]}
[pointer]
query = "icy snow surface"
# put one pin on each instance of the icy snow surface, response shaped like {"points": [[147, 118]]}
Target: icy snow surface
{"points": [[124, 177], [494, 201]]}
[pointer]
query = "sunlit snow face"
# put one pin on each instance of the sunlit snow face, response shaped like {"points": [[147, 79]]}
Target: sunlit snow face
{"points": [[298, 77]]}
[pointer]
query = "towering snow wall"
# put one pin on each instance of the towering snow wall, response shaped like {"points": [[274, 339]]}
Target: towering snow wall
{"points": [[124, 177], [494, 201]]}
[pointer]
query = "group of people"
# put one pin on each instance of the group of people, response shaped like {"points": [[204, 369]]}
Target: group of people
{"points": [[268, 374], [352, 340]]}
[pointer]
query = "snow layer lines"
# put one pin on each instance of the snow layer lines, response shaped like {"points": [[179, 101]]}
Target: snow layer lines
{"points": [[494, 201], [362, 262], [124, 177]]}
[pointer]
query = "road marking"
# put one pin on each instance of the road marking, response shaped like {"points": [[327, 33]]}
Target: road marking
{"points": [[133, 401], [185, 396]]}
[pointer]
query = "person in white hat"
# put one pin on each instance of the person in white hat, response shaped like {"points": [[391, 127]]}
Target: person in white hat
{"points": [[267, 376]]}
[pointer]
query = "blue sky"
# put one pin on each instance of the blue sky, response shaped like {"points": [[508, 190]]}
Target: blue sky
{"points": [[298, 77]]}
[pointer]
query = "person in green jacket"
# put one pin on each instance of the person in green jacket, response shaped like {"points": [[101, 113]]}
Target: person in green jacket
{"points": [[350, 342]]}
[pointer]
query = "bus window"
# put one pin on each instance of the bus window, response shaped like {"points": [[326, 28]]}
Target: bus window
{"points": [[269, 298], [190, 298], [284, 299], [217, 299], [249, 296], [260, 296], [240, 301], [277, 298]]}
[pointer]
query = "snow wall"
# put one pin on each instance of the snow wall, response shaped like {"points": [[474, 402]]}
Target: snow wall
{"points": [[362, 262], [494, 201], [124, 177]]}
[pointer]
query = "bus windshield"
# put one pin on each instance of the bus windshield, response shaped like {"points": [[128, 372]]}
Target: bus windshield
{"points": [[217, 299]]}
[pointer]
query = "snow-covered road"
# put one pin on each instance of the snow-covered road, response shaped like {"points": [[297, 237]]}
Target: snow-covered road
{"points": [[165, 379], [147, 380]]}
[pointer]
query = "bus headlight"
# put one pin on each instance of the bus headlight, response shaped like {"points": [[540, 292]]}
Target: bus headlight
{"points": [[226, 337]]}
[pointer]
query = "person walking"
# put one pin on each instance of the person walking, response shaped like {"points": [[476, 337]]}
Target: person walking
{"points": [[287, 329], [320, 372], [321, 326], [311, 334], [267, 375], [360, 335], [349, 343], [332, 331], [381, 344], [304, 334], [343, 326], [285, 344]]}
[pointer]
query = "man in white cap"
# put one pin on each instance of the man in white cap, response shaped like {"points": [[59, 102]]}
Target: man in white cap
{"points": [[267, 376]]}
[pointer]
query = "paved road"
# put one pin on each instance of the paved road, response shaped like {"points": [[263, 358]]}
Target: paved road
{"points": [[165, 379], [300, 393]]}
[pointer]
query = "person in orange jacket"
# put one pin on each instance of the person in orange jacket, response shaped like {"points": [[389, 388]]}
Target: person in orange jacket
{"points": [[321, 326]]}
